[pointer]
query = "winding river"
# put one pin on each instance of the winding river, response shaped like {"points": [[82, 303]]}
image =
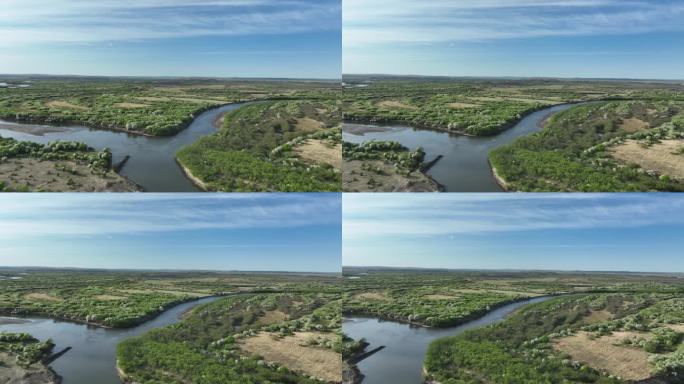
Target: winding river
{"points": [[464, 167], [152, 163], [93, 357], [401, 361]]}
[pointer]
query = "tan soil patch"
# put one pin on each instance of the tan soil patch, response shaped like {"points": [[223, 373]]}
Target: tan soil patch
{"points": [[273, 317], [153, 98], [59, 176], [199, 101], [12, 373], [319, 151], [597, 317], [661, 157], [396, 104], [675, 327], [501, 291], [371, 296], [64, 104], [293, 353], [131, 105], [110, 298], [441, 297], [462, 105], [308, 124], [382, 177], [633, 125], [43, 297], [175, 293], [625, 362]]}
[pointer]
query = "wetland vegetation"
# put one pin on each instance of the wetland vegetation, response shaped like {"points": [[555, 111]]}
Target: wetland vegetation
{"points": [[288, 141], [265, 327], [626, 136], [286, 145], [595, 328]]}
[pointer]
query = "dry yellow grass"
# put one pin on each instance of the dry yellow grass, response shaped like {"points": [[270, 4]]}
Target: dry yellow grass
{"points": [[462, 105], [131, 105], [110, 298], [42, 297], [441, 297], [170, 292], [294, 353], [318, 151], [64, 104], [395, 104], [371, 296], [602, 353], [273, 317], [633, 125], [153, 98], [662, 157], [308, 124], [675, 327], [597, 317]]}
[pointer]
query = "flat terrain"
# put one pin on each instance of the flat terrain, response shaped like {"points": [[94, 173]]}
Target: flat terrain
{"points": [[600, 328], [157, 107], [384, 166], [57, 167], [248, 336], [633, 145], [284, 146]]}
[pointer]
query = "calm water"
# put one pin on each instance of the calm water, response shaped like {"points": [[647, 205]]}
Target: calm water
{"points": [[93, 357], [401, 362], [152, 163], [464, 167]]}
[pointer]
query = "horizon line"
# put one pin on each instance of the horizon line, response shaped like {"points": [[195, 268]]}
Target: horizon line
{"points": [[168, 270], [512, 270], [175, 77], [512, 77]]}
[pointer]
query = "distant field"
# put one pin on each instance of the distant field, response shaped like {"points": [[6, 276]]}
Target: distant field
{"points": [[600, 328], [157, 107]]}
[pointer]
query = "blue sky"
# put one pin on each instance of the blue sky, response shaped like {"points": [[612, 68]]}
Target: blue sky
{"points": [[594, 232], [528, 38], [214, 38], [281, 232]]}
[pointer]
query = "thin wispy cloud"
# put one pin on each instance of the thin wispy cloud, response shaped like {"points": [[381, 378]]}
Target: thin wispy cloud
{"points": [[372, 23], [27, 22], [37, 216], [396, 216]]}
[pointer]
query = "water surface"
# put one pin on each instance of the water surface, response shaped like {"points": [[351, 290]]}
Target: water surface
{"points": [[401, 362], [152, 163], [465, 166], [93, 357]]}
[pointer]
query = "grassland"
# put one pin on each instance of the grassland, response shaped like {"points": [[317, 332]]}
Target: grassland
{"points": [[595, 327], [268, 327], [156, 107], [57, 166], [606, 147], [627, 138], [477, 107], [278, 338], [286, 145]]}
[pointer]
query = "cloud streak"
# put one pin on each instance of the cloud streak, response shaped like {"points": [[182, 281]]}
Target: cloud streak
{"points": [[372, 23], [132, 214], [395, 216], [25, 22]]}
